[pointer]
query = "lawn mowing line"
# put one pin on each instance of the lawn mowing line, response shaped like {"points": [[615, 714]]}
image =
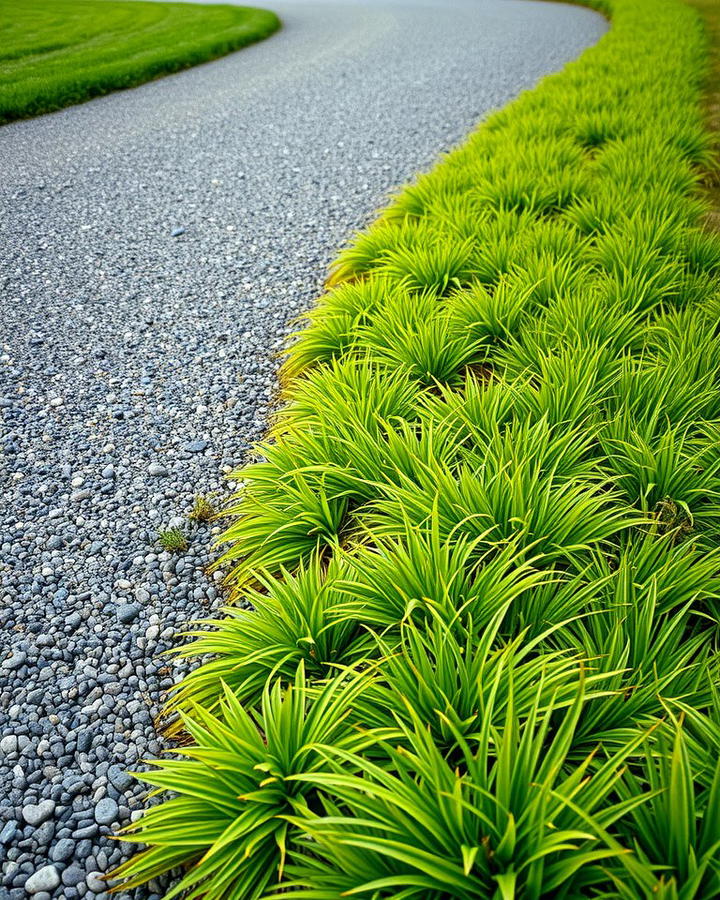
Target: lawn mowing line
{"points": [[150, 41]]}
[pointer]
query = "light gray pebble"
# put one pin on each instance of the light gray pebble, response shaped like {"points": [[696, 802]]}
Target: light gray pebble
{"points": [[36, 813], [95, 882], [9, 745], [106, 811], [45, 879], [14, 661]]}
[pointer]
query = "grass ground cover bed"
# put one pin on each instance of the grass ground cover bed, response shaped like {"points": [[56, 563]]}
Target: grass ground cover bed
{"points": [[710, 12], [57, 52], [482, 541]]}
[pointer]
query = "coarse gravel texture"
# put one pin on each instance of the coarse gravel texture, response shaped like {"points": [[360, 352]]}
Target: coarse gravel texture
{"points": [[155, 245]]}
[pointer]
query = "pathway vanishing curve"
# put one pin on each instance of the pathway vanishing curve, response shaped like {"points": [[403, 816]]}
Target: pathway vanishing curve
{"points": [[135, 364]]}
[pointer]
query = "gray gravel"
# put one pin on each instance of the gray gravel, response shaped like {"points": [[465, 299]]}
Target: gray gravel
{"points": [[156, 244]]}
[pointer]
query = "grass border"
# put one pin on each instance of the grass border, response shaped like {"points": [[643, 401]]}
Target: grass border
{"points": [[482, 542]]}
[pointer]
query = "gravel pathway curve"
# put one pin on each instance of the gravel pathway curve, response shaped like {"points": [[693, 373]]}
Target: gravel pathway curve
{"points": [[155, 245]]}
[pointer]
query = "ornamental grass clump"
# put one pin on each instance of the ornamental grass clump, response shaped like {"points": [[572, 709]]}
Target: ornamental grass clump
{"points": [[471, 646]]}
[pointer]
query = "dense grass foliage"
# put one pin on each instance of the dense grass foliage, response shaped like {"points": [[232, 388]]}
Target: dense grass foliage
{"points": [[482, 541], [710, 12], [57, 52]]}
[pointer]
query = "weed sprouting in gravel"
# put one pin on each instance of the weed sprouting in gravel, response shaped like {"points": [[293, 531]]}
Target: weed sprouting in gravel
{"points": [[203, 509], [476, 574], [173, 540]]}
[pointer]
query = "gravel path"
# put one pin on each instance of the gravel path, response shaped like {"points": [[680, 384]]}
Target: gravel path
{"points": [[155, 245]]}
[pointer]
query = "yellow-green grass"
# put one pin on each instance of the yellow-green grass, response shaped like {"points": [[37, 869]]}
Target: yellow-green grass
{"points": [[482, 549], [54, 53], [710, 11]]}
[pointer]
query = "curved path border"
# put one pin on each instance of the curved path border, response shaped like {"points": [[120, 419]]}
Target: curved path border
{"points": [[156, 243]]}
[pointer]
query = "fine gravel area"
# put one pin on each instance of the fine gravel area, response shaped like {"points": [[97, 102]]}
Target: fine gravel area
{"points": [[156, 244]]}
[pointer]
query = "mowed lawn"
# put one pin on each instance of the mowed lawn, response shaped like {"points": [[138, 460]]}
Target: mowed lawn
{"points": [[54, 52]]}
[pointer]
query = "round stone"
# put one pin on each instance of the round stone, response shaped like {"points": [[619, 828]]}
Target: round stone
{"points": [[45, 879], [127, 613], [106, 811], [63, 850], [72, 876], [95, 883]]}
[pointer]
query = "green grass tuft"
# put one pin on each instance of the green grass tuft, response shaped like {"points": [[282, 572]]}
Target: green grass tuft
{"points": [[173, 540], [203, 509]]}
